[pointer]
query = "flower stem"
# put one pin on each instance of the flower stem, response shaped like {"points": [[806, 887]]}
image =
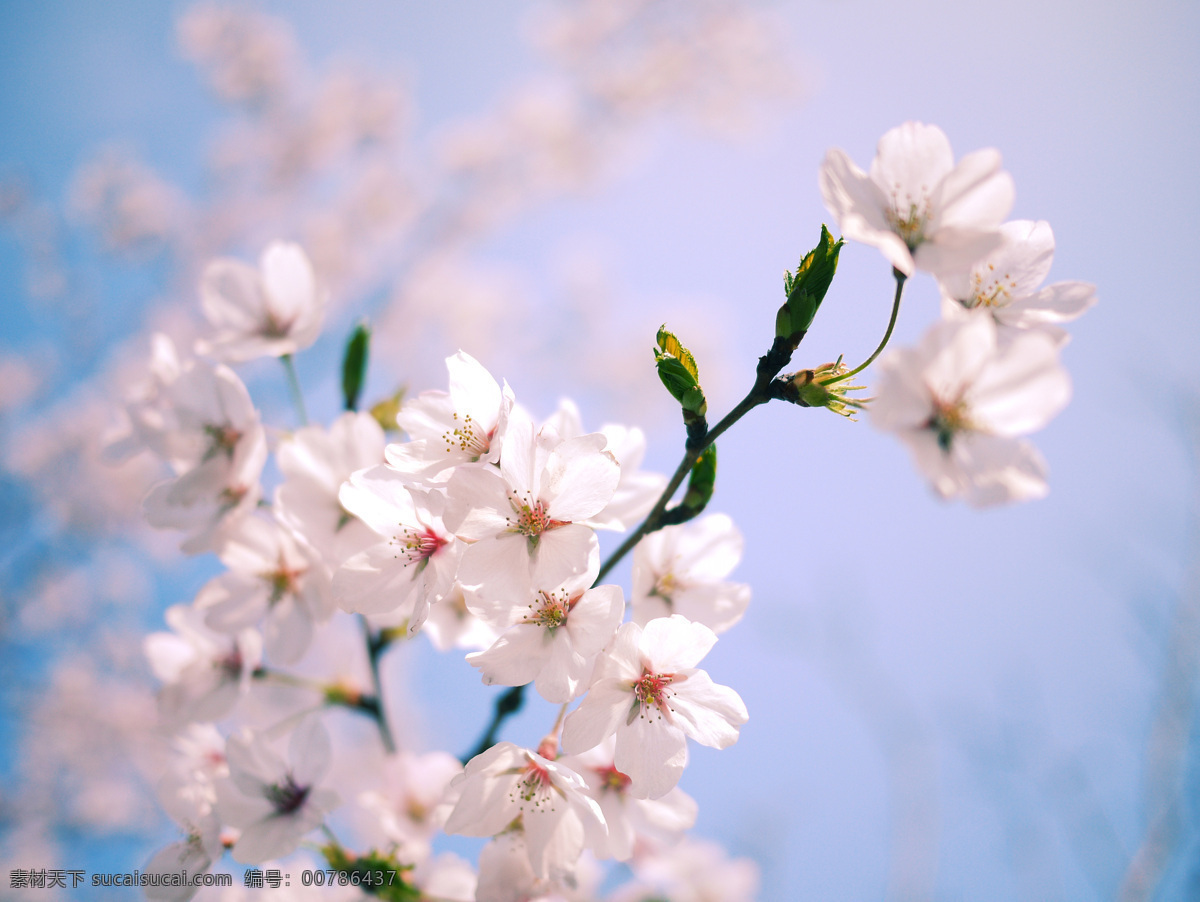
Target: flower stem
{"points": [[508, 703], [769, 366], [289, 365], [900, 280], [374, 650]]}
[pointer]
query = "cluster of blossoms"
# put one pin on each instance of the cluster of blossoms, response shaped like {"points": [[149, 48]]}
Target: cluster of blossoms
{"points": [[989, 372], [478, 530]]}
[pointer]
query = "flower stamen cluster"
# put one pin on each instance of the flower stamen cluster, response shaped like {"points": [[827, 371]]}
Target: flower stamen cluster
{"points": [[286, 797], [468, 437]]}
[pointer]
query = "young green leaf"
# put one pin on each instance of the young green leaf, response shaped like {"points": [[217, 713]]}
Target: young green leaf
{"points": [[354, 365]]}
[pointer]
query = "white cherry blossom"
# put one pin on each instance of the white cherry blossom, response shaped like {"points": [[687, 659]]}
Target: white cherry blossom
{"points": [[408, 806], [1007, 283], [961, 402], [189, 802], [315, 462], [552, 635], [630, 820], [682, 569], [413, 563], [446, 430], [691, 871], [533, 507], [505, 783], [648, 691], [637, 490], [270, 311], [919, 208], [205, 425], [273, 802], [270, 577], [203, 671], [451, 624]]}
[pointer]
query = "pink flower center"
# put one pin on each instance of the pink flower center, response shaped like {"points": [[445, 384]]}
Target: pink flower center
{"points": [[651, 689], [284, 581], [551, 610], [222, 439], [532, 519], [949, 419], [612, 780], [534, 787], [418, 547]]}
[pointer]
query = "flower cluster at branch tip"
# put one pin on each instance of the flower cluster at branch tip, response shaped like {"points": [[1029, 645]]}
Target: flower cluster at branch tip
{"points": [[989, 374], [477, 526]]}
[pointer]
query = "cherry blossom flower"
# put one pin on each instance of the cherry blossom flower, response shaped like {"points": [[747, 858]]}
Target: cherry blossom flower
{"points": [[648, 691], [205, 425], [555, 637], [637, 490], [270, 576], [505, 875], [271, 311], [630, 819], [464, 426], [451, 624], [273, 802], [315, 462], [204, 671], [190, 804], [918, 207], [1007, 283], [532, 508], [415, 563], [505, 783], [960, 403], [682, 570], [408, 805]]}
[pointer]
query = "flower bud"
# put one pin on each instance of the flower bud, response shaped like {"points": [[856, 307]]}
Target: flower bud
{"points": [[806, 289], [825, 387]]}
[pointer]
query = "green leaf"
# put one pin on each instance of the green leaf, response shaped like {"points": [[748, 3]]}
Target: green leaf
{"points": [[670, 345], [354, 365], [807, 287], [701, 481], [375, 873], [677, 370], [385, 411]]}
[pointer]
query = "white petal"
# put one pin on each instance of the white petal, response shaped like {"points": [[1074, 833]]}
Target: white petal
{"points": [[675, 643], [1022, 388], [602, 710], [580, 478], [652, 753], [516, 658], [706, 712], [912, 159]]}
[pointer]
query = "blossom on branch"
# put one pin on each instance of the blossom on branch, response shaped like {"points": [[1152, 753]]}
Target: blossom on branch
{"points": [[270, 311], [1007, 284], [648, 691], [919, 208], [508, 784], [682, 569], [273, 802], [553, 634], [961, 402]]}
